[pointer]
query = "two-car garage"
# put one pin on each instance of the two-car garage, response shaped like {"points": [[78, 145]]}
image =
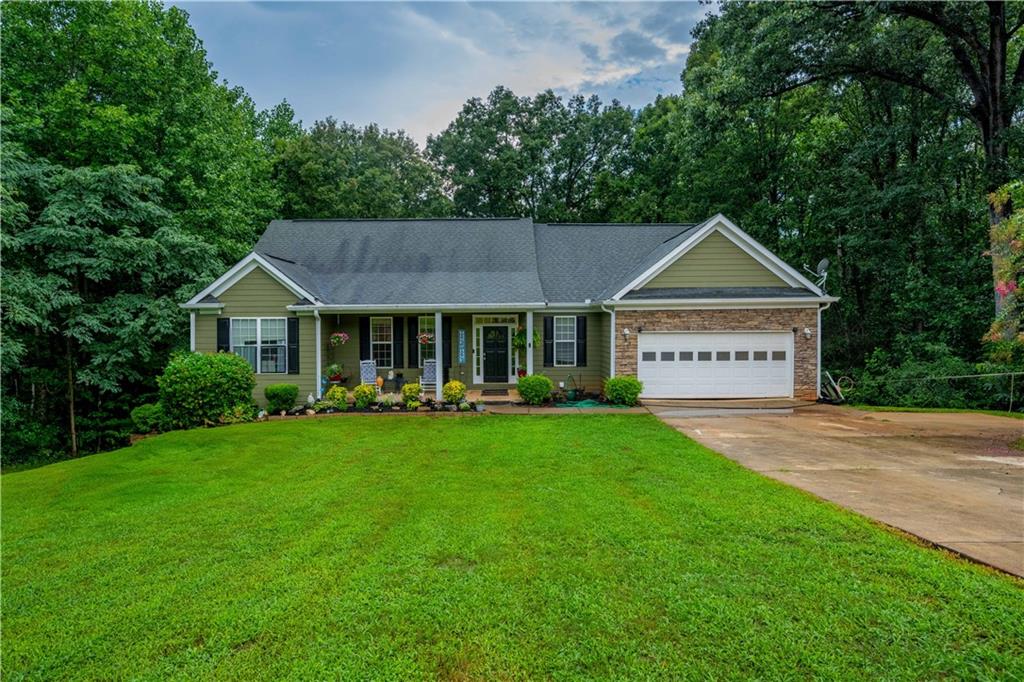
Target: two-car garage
{"points": [[715, 364]]}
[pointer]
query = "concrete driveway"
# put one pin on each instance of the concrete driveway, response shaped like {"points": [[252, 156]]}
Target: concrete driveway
{"points": [[952, 479]]}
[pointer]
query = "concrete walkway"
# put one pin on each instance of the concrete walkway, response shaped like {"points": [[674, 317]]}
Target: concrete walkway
{"points": [[951, 479]]}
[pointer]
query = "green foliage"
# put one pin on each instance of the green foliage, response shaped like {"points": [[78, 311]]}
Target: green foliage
{"points": [[149, 417], [281, 397], [539, 156], [413, 404], [453, 392], [364, 395], [1007, 237], [196, 389], [388, 400], [411, 393], [342, 171], [239, 414], [535, 389], [929, 375], [337, 395], [465, 407], [624, 390]]}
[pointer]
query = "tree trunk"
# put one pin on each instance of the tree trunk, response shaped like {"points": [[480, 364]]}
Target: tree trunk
{"points": [[71, 398]]}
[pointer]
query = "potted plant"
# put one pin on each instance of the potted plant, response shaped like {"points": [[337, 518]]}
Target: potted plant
{"points": [[337, 339], [335, 371], [519, 342]]}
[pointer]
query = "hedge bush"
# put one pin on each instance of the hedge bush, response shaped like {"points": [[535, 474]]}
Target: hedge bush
{"points": [[281, 397], [535, 389], [196, 389], [411, 394], [623, 390], [454, 391], [148, 418], [364, 395]]}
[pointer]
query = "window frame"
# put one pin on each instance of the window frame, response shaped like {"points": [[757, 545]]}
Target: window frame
{"points": [[420, 346], [555, 340], [390, 343], [258, 369]]}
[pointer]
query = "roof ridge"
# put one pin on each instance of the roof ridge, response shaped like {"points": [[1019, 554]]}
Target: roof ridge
{"points": [[389, 220], [683, 225]]}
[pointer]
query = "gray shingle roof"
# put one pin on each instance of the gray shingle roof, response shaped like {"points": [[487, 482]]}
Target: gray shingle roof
{"points": [[407, 262], [581, 261], [468, 261]]}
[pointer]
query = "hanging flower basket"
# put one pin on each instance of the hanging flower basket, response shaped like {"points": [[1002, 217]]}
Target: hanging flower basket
{"points": [[338, 339]]}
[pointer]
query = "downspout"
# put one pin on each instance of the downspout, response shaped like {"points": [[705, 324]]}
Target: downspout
{"points": [[611, 367], [319, 366], [192, 331], [818, 339]]}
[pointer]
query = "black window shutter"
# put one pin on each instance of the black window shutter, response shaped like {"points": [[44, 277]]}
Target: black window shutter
{"points": [[446, 326], [293, 345], [364, 338], [398, 343], [223, 334], [414, 329], [581, 340], [549, 341]]}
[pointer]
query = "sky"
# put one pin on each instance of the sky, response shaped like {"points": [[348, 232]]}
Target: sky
{"points": [[412, 66]]}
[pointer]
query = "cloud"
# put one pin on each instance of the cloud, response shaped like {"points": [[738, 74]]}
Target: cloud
{"points": [[631, 47], [413, 65]]}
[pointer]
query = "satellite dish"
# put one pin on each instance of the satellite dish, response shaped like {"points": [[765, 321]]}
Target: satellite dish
{"points": [[822, 266]]}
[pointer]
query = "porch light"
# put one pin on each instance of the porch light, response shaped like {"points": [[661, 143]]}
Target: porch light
{"points": [[807, 332], [625, 333]]}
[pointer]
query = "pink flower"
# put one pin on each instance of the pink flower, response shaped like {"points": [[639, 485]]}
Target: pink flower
{"points": [[1006, 288]]}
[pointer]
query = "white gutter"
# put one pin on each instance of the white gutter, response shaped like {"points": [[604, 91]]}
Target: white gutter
{"points": [[677, 303], [201, 306], [319, 365], [327, 308]]}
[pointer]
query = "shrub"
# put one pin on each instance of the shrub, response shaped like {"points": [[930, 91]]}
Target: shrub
{"points": [[281, 397], [338, 395], [412, 404], [364, 395], [148, 418], [411, 394], [388, 400], [623, 390], [454, 391], [240, 413], [197, 388], [465, 407], [535, 389]]}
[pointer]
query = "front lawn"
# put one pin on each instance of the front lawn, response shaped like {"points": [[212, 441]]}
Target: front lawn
{"points": [[479, 547]]}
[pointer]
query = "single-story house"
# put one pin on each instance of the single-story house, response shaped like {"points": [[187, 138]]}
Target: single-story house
{"points": [[693, 311]]}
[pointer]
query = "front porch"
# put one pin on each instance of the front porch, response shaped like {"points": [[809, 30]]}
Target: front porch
{"points": [[483, 350]]}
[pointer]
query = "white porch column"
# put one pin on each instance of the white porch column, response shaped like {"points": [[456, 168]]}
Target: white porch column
{"points": [[319, 364], [439, 351], [529, 342]]}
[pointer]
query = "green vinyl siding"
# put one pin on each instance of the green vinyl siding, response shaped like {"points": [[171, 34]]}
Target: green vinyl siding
{"points": [[715, 262], [258, 294], [590, 378]]}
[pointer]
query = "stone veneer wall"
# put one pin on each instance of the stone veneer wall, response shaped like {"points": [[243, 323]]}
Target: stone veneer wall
{"points": [[805, 364]]}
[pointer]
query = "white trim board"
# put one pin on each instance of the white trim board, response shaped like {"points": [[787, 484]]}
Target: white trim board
{"points": [[719, 223], [239, 270]]}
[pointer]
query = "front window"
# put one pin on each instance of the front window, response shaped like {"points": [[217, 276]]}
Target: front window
{"points": [[381, 340], [565, 341], [427, 350], [262, 342]]}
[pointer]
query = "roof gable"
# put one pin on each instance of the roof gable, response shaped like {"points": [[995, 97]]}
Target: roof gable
{"points": [[715, 261]]}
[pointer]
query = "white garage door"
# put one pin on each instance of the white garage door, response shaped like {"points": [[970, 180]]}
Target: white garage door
{"points": [[716, 365]]}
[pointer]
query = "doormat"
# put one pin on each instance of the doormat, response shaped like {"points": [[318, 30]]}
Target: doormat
{"points": [[494, 391]]}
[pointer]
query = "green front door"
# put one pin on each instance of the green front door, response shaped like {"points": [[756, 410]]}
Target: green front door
{"points": [[496, 355]]}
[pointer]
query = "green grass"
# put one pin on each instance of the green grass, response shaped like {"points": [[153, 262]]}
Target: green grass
{"points": [[891, 408], [482, 547]]}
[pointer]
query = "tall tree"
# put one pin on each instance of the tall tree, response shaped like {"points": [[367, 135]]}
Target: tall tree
{"points": [[966, 56], [337, 170]]}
